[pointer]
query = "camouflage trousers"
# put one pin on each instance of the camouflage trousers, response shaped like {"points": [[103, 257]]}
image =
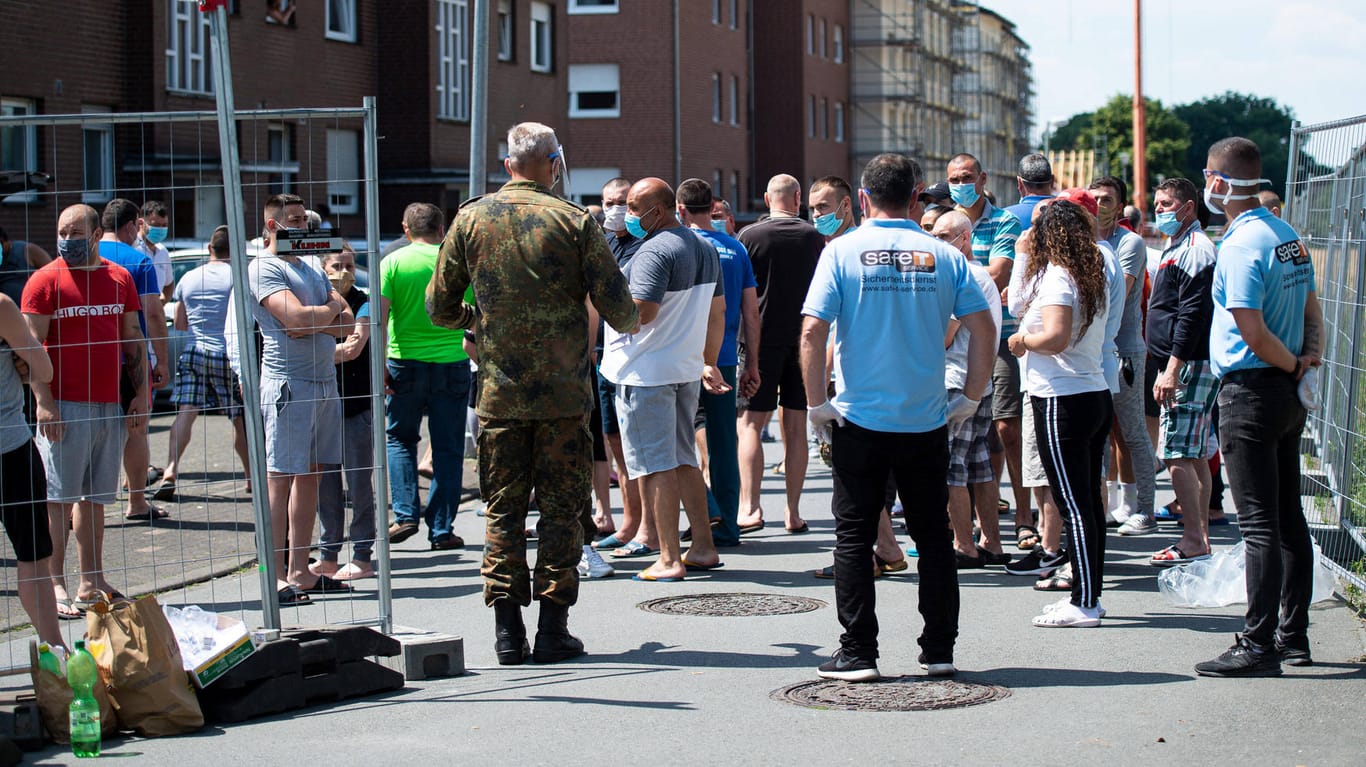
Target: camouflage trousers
{"points": [[554, 457]]}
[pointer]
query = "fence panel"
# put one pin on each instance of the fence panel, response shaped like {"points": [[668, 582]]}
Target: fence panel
{"points": [[1326, 203]]}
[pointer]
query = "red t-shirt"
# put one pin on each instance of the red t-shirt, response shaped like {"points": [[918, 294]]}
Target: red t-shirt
{"points": [[83, 338]]}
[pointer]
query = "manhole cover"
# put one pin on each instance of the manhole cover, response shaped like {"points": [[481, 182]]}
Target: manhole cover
{"points": [[903, 693], [732, 605]]}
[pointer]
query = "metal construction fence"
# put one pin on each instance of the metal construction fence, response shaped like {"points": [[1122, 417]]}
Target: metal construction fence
{"points": [[1326, 203], [219, 518]]}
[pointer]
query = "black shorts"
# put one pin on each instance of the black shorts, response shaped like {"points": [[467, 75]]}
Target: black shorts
{"points": [[780, 380], [23, 503]]}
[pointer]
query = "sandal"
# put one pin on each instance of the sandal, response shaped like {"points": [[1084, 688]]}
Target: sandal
{"points": [[610, 542], [1027, 537], [1058, 580], [73, 613], [324, 585], [633, 549], [1173, 555], [293, 595], [166, 491], [152, 512]]}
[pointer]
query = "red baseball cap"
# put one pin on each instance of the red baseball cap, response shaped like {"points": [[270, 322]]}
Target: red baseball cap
{"points": [[1081, 197]]}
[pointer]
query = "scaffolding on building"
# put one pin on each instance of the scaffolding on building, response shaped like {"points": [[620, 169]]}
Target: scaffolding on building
{"points": [[995, 90]]}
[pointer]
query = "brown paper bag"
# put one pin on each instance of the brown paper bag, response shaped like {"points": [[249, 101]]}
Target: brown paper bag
{"points": [[54, 701], [134, 645]]}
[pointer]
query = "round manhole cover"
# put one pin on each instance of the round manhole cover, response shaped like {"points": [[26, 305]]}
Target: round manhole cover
{"points": [[732, 605], [903, 693]]}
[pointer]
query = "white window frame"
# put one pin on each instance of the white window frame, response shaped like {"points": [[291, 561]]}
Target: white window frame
{"points": [[453, 60], [28, 134], [188, 69], [585, 185], [343, 28], [734, 100], [839, 122], [838, 43], [100, 190], [594, 78], [506, 31], [716, 97], [579, 7], [343, 171], [542, 17]]}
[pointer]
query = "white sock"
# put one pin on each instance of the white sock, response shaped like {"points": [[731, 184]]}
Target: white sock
{"points": [[1130, 491], [1110, 491]]}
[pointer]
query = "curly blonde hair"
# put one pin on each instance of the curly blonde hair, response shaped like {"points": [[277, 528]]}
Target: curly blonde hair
{"points": [[1064, 235]]}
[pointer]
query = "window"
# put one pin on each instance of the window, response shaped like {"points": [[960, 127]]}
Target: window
{"points": [[542, 46], [585, 184], [97, 162], [734, 14], [839, 122], [453, 59], [820, 37], [735, 190], [187, 49], [810, 35], [592, 6], [716, 97], [811, 116], [716, 11], [825, 120], [716, 177], [343, 171], [341, 20], [280, 157], [734, 100], [19, 146], [507, 31], [594, 90], [838, 43]]}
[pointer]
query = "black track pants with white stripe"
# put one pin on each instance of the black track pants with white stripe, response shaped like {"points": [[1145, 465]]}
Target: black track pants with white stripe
{"points": [[1072, 431]]}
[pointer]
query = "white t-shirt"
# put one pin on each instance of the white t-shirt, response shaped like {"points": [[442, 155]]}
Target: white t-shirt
{"points": [[1077, 369], [161, 260], [956, 356]]}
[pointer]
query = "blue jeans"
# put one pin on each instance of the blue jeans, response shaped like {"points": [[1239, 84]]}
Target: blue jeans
{"points": [[438, 390]]}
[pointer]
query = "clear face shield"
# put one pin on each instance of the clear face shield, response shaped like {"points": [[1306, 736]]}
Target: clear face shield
{"points": [[562, 177]]}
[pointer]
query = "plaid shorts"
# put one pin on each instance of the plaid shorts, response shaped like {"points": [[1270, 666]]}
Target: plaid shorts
{"points": [[969, 456], [205, 380], [1185, 425]]}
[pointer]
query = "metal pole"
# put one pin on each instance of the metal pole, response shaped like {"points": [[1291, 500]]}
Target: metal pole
{"points": [[479, 125], [380, 482], [1140, 116], [246, 347]]}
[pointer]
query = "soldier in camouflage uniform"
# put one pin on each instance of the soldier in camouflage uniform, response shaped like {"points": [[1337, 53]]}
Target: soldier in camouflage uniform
{"points": [[535, 261]]}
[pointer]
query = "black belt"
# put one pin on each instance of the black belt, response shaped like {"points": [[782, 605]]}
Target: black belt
{"points": [[1256, 374]]}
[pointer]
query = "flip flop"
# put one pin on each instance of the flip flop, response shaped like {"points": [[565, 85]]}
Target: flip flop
{"points": [[166, 491], [633, 549], [653, 578], [805, 528], [754, 528], [1173, 555], [325, 585], [610, 542], [293, 595], [899, 566], [73, 612], [1027, 537], [152, 512], [694, 566], [1165, 514]]}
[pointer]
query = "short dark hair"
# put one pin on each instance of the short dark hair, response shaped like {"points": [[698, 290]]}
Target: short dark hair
{"points": [[890, 180], [277, 202], [424, 219], [836, 183], [1035, 172], [153, 208], [962, 157], [118, 214], [1180, 188], [695, 195], [218, 241], [1115, 183], [1238, 157]]}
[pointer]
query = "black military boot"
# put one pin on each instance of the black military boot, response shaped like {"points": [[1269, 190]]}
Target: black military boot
{"points": [[554, 643], [509, 634]]}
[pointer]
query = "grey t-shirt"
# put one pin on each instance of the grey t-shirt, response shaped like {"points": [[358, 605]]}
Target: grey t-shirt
{"points": [[308, 358], [1133, 259], [204, 291], [14, 430]]}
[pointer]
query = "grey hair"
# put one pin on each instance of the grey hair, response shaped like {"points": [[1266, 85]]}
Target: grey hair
{"points": [[528, 141], [315, 220]]}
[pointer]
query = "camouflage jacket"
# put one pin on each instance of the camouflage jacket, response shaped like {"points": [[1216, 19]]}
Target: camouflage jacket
{"points": [[533, 259]]}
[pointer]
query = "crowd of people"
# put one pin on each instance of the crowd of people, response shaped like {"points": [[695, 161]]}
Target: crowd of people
{"points": [[929, 346]]}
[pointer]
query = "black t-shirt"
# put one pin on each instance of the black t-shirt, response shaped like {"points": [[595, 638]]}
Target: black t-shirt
{"points": [[353, 376], [784, 252]]}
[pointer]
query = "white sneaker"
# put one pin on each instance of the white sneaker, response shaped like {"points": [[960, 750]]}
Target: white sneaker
{"points": [[1068, 615], [592, 565], [1067, 601], [1138, 524]]}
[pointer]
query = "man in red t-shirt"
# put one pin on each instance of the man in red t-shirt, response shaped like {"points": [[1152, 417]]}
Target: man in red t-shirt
{"points": [[84, 310]]}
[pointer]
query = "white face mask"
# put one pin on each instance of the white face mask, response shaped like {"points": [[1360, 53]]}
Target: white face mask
{"points": [[1229, 196], [614, 218]]}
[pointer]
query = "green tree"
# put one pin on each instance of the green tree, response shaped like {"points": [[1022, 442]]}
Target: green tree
{"points": [[1109, 131], [1260, 120]]}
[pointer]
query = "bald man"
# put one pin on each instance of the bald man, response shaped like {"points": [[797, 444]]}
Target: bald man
{"points": [[784, 250]]}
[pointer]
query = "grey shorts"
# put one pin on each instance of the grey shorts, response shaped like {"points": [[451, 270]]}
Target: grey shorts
{"points": [[969, 458], [1005, 384], [84, 464], [1034, 475], [303, 424], [657, 426]]}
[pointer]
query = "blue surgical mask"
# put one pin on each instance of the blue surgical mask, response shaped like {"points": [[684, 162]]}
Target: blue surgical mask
{"points": [[827, 224], [633, 225], [963, 195], [155, 234], [1167, 223], [719, 224], [75, 252]]}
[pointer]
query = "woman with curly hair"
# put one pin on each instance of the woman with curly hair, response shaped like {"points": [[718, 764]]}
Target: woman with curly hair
{"points": [[1064, 298]]}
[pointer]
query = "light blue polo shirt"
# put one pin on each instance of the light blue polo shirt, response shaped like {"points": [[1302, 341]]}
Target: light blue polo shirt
{"points": [[889, 288], [1261, 265], [993, 236]]}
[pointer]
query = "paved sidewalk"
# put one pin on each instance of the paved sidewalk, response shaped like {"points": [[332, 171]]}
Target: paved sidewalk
{"points": [[672, 689]]}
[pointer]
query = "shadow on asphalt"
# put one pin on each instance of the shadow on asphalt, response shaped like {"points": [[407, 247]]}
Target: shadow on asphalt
{"points": [[1070, 677]]}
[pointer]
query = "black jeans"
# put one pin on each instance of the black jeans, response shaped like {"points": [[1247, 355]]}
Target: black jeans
{"points": [[1260, 419], [863, 460], [1072, 431]]}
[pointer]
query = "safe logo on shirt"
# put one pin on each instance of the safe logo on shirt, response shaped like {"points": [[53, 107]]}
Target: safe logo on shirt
{"points": [[903, 260], [1292, 252]]}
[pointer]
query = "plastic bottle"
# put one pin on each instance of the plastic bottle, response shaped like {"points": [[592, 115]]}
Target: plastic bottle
{"points": [[47, 660], [82, 675]]}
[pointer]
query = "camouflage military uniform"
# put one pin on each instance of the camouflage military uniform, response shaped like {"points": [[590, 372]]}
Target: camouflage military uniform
{"points": [[533, 260]]}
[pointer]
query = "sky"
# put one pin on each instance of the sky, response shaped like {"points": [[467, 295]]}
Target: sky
{"points": [[1309, 55]]}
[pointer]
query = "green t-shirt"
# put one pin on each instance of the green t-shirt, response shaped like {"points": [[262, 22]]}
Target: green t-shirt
{"points": [[404, 275]]}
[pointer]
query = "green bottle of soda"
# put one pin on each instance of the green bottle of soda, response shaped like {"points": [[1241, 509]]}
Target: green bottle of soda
{"points": [[82, 675]]}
